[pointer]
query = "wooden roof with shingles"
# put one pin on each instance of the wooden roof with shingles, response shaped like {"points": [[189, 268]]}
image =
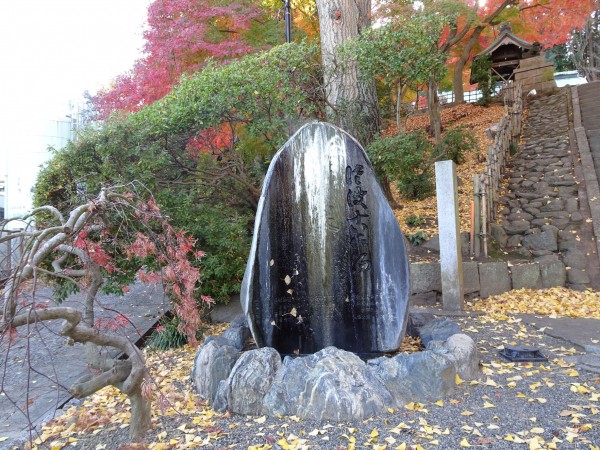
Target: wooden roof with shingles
{"points": [[505, 37]]}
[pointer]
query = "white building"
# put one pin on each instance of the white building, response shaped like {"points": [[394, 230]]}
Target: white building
{"points": [[570, 78], [1, 199], [24, 151]]}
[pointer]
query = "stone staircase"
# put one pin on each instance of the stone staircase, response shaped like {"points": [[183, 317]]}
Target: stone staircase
{"points": [[545, 216]]}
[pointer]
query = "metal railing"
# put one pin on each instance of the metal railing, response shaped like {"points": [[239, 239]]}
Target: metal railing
{"points": [[469, 96], [445, 98]]}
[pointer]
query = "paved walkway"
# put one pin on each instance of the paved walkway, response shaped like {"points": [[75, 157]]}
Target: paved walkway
{"points": [[586, 129], [30, 397]]}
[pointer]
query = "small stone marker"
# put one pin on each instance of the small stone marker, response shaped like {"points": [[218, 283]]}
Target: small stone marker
{"points": [[328, 265], [449, 229]]}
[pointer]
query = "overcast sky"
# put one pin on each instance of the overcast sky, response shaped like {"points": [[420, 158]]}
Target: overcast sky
{"points": [[53, 50]]}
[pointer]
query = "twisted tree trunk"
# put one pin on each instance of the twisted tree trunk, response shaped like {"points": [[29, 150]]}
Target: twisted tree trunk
{"points": [[78, 325]]}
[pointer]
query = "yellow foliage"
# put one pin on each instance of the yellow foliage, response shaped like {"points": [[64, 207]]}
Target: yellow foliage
{"points": [[558, 301]]}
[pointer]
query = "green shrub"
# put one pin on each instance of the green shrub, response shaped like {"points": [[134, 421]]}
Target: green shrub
{"points": [[455, 144], [417, 238], [166, 335], [481, 73], [202, 150], [414, 220], [406, 160]]}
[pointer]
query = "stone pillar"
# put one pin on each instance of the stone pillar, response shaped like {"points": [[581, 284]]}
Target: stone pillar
{"points": [[449, 229]]}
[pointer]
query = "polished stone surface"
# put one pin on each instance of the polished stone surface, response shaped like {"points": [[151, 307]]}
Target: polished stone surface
{"points": [[328, 265]]}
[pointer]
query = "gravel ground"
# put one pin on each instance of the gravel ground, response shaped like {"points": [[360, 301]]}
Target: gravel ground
{"points": [[512, 406]]}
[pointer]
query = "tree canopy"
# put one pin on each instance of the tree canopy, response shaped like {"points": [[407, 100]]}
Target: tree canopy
{"points": [[181, 36], [202, 149], [208, 105]]}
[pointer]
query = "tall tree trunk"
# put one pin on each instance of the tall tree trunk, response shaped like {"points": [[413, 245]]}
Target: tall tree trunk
{"points": [[352, 100], [402, 88], [435, 117], [593, 46], [459, 92]]}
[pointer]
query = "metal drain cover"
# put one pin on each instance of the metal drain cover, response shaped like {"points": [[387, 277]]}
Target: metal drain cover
{"points": [[519, 353]]}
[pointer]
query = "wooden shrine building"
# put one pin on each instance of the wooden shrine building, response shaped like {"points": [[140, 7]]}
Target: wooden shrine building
{"points": [[514, 59]]}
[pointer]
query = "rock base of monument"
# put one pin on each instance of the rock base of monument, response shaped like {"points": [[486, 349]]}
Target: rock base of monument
{"points": [[331, 384]]}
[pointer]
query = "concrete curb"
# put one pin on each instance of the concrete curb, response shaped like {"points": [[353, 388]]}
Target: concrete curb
{"points": [[580, 332]]}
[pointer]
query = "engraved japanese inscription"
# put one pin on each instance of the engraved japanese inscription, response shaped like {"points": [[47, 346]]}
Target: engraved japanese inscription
{"points": [[328, 265]]}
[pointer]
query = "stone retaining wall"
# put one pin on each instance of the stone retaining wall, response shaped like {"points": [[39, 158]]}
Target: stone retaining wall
{"points": [[486, 279], [535, 73], [479, 280]]}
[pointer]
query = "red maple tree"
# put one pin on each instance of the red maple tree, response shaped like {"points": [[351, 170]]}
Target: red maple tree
{"points": [[105, 242], [544, 21], [181, 36]]}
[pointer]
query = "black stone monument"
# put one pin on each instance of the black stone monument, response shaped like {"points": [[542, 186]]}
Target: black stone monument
{"points": [[328, 265]]}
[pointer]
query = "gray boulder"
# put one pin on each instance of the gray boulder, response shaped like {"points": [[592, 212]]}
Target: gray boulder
{"points": [[238, 332], [437, 330], [546, 240], [225, 313], [213, 363], [463, 353], [514, 240], [517, 227], [249, 381], [425, 277], [575, 259], [470, 277], [332, 384], [433, 243], [577, 276], [417, 319], [526, 276], [499, 234], [423, 376], [494, 278], [219, 404], [553, 274]]}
